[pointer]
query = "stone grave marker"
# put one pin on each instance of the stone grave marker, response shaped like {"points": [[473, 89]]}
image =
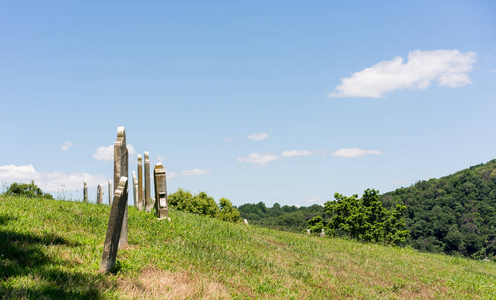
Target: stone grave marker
{"points": [[99, 194], [121, 159], [110, 192], [85, 192], [141, 199], [114, 229], [161, 207], [148, 204], [134, 190]]}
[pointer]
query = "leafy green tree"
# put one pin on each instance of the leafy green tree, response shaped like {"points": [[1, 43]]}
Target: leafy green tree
{"points": [[29, 190], [365, 219], [227, 212]]}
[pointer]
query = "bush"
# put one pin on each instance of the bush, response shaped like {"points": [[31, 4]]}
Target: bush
{"points": [[29, 190], [203, 204]]}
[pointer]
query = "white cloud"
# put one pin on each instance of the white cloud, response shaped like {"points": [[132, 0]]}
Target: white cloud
{"points": [[399, 182], [256, 158], [66, 145], [298, 153], [130, 149], [161, 157], [492, 70], [195, 172], [104, 153], [354, 152], [314, 200], [171, 174], [258, 136], [49, 181], [447, 67], [107, 153], [229, 140]]}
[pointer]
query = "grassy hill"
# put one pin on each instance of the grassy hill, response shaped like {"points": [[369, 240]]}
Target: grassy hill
{"points": [[52, 249]]}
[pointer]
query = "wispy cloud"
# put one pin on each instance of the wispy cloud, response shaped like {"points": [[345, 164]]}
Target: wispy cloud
{"points": [[298, 153], [400, 182], [66, 146], [161, 157], [355, 152], [314, 200], [447, 67], [492, 70], [106, 153], [258, 136], [49, 181], [229, 140], [261, 159], [195, 172]]}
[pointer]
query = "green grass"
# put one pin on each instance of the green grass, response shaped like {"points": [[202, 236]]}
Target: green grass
{"points": [[52, 249]]}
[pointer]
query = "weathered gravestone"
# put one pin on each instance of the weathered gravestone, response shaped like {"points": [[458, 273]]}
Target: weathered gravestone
{"points": [[322, 234], [114, 229], [99, 194], [121, 156], [159, 177], [110, 192], [245, 221], [308, 231], [85, 192], [148, 203], [141, 199], [134, 190]]}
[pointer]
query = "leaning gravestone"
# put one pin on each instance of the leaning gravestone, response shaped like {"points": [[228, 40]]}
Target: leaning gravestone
{"points": [[148, 204], [140, 183], [99, 194], [121, 156], [85, 192], [159, 177], [115, 227]]}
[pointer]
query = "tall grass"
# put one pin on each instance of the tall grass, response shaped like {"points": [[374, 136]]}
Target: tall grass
{"points": [[52, 248]]}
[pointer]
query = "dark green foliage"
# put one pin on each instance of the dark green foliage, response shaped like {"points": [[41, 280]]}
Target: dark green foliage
{"points": [[365, 219], [29, 190], [227, 212], [452, 214], [203, 204], [287, 218]]}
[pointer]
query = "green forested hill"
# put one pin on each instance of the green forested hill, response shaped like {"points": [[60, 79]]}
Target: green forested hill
{"points": [[452, 214]]}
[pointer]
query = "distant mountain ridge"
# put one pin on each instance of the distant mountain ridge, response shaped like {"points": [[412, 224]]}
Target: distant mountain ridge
{"points": [[452, 214]]}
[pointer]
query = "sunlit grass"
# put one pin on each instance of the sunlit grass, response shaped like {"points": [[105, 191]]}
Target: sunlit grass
{"points": [[53, 248]]}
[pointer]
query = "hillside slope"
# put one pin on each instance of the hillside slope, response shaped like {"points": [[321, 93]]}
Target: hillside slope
{"points": [[452, 214], [52, 248]]}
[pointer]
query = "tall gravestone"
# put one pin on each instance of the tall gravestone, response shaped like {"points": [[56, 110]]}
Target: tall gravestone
{"points": [[141, 199], [134, 190], [161, 207], [99, 194], [114, 229], [85, 192], [121, 156], [148, 204], [110, 191]]}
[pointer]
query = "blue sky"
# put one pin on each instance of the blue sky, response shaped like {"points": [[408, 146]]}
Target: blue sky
{"points": [[273, 101]]}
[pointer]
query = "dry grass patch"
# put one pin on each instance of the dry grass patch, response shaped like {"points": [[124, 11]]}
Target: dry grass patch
{"points": [[163, 284]]}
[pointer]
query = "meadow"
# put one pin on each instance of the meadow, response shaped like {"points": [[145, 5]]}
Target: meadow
{"points": [[52, 249]]}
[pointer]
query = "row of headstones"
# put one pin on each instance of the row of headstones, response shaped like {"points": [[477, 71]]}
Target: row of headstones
{"points": [[140, 202], [116, 237], [99, 193], [322, 233]]}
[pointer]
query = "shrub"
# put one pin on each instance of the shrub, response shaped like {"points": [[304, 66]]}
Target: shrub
{"points": [[29, 190]]}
